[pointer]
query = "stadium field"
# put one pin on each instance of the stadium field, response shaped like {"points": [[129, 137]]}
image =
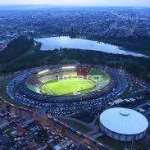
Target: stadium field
{"points": [[68, 86]]}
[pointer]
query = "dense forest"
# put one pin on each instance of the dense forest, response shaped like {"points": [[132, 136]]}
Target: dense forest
{"points": [[15, 48], [137, 45]]}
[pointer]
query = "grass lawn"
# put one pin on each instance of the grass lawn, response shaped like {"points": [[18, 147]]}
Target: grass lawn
{"points": [[3, 93], [67, 86], [118, 145], [114, 144], [3, 84], [76, 125]]}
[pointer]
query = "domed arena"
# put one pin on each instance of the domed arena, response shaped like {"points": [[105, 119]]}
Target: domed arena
{"points": [[127, 125]]}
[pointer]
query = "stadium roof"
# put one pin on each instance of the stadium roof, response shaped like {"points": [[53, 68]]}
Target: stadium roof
{"points": [[124, 121]]}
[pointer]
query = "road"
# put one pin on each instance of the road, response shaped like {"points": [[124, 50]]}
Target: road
{"points": [[46, 121]]}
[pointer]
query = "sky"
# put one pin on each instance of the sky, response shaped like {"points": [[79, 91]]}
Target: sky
{"points": [[79, 2]]}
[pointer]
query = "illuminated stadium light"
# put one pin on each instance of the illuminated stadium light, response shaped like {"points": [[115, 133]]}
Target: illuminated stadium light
{"points": [[42, 72], [69, 67]]}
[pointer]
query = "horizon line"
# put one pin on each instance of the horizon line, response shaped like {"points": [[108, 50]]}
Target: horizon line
{"points": [[57, 5]]}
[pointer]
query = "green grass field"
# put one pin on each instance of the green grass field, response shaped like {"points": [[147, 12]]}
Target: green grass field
{"points": [[67, 86], [76, 125]]}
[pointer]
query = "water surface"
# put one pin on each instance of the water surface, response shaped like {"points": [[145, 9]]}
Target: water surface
{"points": [[53, 43]]}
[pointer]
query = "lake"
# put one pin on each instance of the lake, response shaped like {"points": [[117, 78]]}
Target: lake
{"points": [[52, 43]]}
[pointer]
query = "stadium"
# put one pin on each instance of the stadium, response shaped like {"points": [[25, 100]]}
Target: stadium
{"points": [[68, 81], [66, 89]]}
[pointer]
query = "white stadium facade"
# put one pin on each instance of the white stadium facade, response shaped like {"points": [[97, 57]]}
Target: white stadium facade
{"points": [[123, 124]]}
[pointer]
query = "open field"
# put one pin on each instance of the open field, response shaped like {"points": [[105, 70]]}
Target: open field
{"points": [[118, 145], [3, 93], [68, 86], [76, 125], [3, 85]]}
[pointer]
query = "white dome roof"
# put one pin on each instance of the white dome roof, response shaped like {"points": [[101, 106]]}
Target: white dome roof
{"points": [[124, 121]]}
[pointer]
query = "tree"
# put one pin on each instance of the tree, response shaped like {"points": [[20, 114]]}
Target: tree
{"points": [[43, 135]]}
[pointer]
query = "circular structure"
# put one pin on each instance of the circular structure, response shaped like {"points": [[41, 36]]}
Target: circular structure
{"points": [[65, 90], [123, 124]]}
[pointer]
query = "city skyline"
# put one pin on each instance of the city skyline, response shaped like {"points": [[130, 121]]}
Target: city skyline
{"points": [[79, 2]]}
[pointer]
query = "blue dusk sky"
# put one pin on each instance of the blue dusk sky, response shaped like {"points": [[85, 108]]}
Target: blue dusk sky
{"points": [[79, 2]]}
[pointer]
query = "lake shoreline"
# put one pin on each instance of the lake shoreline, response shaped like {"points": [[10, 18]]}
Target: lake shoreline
{"points": [[62, 42]]}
